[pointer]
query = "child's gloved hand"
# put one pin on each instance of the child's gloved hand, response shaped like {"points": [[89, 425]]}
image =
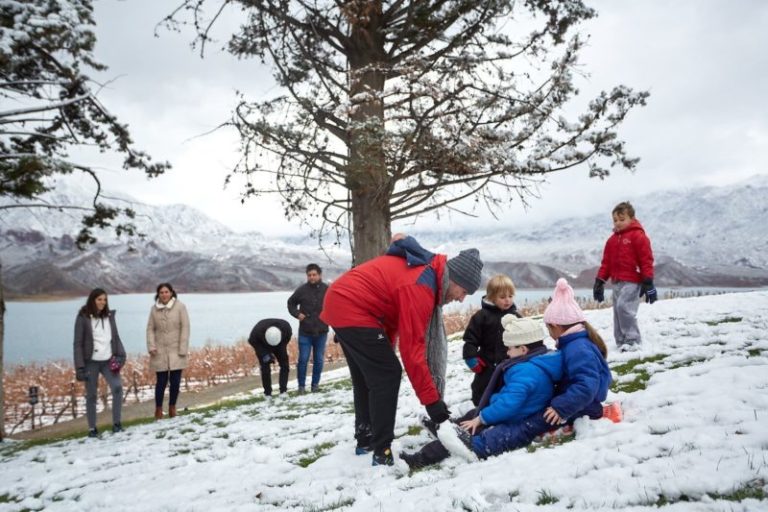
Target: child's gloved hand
{"points": [[598, 291], [647, 289], [267, 359], [476, 364]]}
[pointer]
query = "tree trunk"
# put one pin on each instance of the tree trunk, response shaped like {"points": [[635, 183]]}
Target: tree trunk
{"points": [[367, 181], [2, 370]]}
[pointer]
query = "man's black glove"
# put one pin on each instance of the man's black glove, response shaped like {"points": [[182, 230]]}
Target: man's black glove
{"points": [[438, 412], [598, 291], [80, 375], [647, 289]]}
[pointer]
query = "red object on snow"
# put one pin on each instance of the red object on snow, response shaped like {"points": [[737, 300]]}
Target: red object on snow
{"points": [[613, 412]]}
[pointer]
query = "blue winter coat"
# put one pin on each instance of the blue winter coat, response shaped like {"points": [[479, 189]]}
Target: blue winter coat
{"points": [[528, 388], [586, 378]]}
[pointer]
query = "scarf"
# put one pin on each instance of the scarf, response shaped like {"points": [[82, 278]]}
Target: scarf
{"points": [[169, 305], [499, 371], [437, 342]]}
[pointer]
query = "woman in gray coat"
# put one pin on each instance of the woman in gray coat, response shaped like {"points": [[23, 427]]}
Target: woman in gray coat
{"points": [[98, 350], [168, 345]]}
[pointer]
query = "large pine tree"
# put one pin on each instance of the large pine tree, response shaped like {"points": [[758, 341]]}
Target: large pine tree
{"points": [[392, 109]]}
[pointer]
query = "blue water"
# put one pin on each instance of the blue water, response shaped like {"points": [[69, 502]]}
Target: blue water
{"points": [[43, 331]]}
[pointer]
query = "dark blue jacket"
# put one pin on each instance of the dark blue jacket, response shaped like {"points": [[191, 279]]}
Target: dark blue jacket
{"points": [[586, 378], [528, 388]]}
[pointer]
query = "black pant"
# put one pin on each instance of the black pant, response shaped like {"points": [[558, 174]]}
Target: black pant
{"points": [[376, 374], [162, 382], [479, 383], [281, 352]]}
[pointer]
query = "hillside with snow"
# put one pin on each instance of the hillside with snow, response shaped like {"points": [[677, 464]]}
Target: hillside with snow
{"points": [[694, 438], [705, 236]]}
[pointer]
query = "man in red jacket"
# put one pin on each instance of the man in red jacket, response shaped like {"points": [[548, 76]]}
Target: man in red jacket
{"points": [[628, 261], [396, 296]]}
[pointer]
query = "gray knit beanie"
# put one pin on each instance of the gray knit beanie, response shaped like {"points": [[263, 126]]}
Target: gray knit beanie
{"points": [[464, 270]]}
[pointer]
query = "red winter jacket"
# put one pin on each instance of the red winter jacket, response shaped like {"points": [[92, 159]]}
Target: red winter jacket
{"points": [[385, 293], [627, 255]]}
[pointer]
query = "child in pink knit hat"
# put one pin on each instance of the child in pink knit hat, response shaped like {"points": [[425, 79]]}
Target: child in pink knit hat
{"points": [[586, 373]]}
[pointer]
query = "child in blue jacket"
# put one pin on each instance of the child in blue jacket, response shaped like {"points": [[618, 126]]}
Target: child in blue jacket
{"points": [[520, 386]]}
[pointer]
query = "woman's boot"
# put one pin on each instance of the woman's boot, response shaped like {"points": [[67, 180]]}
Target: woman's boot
{"points": [[172, 411], [158, 413]]}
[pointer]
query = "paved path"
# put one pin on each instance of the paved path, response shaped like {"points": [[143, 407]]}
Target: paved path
{"points": [[134, 411]]}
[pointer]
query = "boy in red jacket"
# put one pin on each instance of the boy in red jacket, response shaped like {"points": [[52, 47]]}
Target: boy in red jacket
{"points": [[628, 261]]}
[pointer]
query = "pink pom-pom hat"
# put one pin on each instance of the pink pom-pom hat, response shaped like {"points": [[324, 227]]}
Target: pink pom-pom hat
{"points": [[563, 310]]}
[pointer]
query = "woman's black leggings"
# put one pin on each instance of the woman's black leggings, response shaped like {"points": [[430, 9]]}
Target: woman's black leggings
{"points": [[162, 382]]}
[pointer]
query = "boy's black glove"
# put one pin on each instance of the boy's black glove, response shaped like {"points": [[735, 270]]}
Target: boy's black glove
{"points": [[647, 289], [80, 375], [438, 412], [598, 291]]}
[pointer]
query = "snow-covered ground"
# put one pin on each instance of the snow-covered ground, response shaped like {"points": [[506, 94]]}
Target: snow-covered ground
{"points": [[695, 438]]}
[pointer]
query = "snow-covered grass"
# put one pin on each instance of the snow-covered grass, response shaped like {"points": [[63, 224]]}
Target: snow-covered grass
{"points": [[694, 437]]}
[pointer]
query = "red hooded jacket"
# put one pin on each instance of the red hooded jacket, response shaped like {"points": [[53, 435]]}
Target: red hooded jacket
{"points": [[386, 293], [627, 255]]}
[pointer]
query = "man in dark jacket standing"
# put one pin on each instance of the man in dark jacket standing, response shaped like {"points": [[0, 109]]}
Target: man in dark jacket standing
{"points": [[306, 303], [269, 338]]}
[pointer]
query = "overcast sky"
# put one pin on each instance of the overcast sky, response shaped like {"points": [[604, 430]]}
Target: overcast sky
{"points": [[706, 123]]}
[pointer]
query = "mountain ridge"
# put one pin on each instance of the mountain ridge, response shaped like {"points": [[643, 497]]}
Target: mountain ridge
{"points": [[704, 236]]}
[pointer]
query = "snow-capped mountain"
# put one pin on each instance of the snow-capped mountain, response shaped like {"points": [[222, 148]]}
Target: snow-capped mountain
{"points": [[713, 229], [702, 236], [182, 245]]}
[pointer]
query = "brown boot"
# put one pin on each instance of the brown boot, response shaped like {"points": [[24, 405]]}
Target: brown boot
{"points": [[158, 413], [172, 411]]}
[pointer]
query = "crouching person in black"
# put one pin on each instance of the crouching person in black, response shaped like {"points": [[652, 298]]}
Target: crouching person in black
{"points": [[269, 338]]}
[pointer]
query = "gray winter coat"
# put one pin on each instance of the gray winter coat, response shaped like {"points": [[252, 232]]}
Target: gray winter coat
{"points": [[83, 345]]}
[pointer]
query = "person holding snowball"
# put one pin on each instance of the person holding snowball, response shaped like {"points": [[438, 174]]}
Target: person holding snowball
{"points": [[269, 338]]}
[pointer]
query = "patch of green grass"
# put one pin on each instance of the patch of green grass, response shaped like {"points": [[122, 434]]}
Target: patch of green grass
{"points": [[182, 451], [338, 384], [639, 383], [754, 352], [414, 430], [546, 498], [629, 366], [690, 362], [551, 442], [8, 498], [748, 491], [314, 453], [186, 430], [726, 320]]}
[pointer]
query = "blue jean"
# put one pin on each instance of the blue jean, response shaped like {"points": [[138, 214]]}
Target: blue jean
{"points": [[316, 345]]}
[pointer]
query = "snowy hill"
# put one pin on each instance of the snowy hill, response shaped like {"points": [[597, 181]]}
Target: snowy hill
{"points": [[702, 237], [694, 438]]}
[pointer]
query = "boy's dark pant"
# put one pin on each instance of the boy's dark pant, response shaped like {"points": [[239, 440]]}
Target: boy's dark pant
{"points": [[376, 374], [281, 352], [479, 383]]}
